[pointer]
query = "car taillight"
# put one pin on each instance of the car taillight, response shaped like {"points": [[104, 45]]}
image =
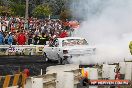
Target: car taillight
{"points": [[65, 51]]}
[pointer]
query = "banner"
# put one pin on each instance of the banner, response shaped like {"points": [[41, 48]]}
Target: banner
{"points": [[21, 49]]}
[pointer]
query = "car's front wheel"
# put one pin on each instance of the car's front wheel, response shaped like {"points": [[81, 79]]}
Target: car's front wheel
{"points": [[65, 61], [59, 59]]}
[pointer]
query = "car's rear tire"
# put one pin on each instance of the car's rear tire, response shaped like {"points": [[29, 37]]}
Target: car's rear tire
{"points": [[45, 57], [59, 59]]}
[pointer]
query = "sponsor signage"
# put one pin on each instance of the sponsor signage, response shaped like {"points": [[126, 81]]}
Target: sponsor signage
{"points": [[25, 49]]}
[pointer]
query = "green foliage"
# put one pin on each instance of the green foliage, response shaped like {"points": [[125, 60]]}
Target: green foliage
{"points": [[18, 9], [42, 10], [1, 2], [18, 1], [12, 7], [65, 14], [6, 11], [37, 8], [57, 5]]}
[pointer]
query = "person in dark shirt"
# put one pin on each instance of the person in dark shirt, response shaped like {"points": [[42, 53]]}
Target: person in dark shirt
{"points": [[43, 39], [36, 39], [30, 39]]}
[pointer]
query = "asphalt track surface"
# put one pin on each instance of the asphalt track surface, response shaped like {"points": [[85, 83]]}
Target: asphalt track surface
{"points": [[13, 64]]}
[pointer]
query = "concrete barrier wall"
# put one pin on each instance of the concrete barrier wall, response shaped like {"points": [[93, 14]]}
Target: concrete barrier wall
{"points": [[128, 71], [122, 66], [43, 81], [67, 75], [108, 71]]}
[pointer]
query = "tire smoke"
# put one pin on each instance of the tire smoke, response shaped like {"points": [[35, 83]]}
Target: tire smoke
{"points": [[107, 24]]}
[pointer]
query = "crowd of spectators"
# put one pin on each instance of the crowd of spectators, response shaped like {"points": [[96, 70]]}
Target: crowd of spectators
{"points": [[16, 31]]}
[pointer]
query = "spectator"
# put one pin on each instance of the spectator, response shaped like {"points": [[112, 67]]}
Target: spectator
{"points": [[49, 27], [3, 26], [6, 35], [15, 35], [21, 39], [43, 39], [36, 39], [1, 38], [63, 34], [30, 39], [10, 39]]}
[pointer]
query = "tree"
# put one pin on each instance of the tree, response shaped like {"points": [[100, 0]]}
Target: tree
{"points": [[57, 5], [5, 11], [1, 2], [4, 2], [12, 7], [42, 10], [18, 9], [66, 14]]}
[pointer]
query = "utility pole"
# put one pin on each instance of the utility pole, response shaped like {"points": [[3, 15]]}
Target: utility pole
{"points": [[26, 13]]}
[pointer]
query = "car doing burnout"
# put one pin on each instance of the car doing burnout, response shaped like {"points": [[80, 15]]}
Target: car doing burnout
{"points": [[63, 49]]}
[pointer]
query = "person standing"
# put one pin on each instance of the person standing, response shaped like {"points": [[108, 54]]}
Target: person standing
{"points": [[30, 38], [36, 39], [21, 39], [10, 39], [63, 34], [1, 38], [43, 39]]}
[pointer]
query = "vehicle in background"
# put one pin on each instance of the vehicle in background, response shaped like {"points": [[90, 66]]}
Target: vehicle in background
{"points": [[63, 49]]}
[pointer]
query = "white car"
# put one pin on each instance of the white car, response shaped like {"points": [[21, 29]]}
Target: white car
{"points": [[62, 49]]}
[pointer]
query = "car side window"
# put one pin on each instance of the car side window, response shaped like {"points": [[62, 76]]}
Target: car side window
{"points": [[55, 43]]}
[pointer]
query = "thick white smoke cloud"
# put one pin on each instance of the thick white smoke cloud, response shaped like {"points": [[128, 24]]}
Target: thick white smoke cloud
{"points": [[107, 25]]}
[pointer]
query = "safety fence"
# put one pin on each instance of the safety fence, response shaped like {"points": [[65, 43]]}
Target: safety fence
{"points": [[17, 80], [21, 49]]}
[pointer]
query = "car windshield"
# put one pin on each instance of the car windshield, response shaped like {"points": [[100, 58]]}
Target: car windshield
{"points": [[72, 42]]}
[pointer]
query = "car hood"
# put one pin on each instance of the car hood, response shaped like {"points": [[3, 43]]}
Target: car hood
{"points": [[79, 50], [79, 47]]}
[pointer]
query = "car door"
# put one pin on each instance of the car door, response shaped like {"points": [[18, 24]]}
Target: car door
{"points": [[48, 50], [55, 49]]}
